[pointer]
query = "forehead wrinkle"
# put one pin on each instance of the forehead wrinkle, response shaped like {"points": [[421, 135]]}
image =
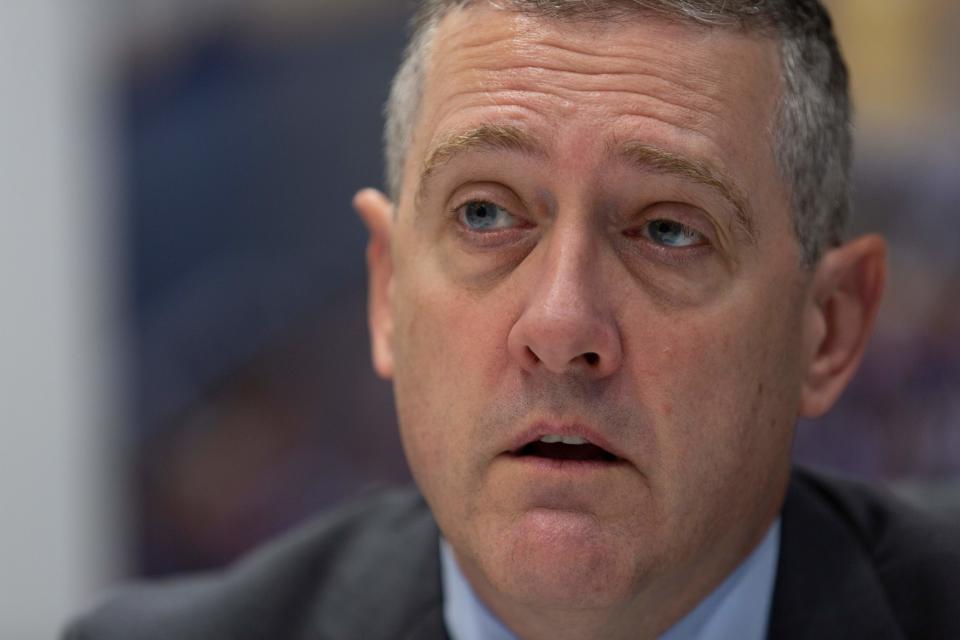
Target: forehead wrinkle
{"points": [[647, 156], [546, 41], [486, 137], [599, 82], [676, 74], [695, 115], [688, 103], [511, 60]]}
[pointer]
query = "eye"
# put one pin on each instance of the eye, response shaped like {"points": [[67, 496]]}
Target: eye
{"points": [[669, 233], [481, 215]]}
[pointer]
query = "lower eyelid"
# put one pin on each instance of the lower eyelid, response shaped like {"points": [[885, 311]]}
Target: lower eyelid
{"points": [[496, 240], [673, 255]]}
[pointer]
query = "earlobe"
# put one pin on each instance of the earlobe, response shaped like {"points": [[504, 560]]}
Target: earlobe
{"points": [[376, 211], [844, 299]]}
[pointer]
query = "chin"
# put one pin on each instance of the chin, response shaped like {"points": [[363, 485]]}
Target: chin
{"points": [[560, 560]]}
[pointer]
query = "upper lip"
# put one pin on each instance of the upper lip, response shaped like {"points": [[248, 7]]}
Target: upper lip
{"points": [[575, 429]]}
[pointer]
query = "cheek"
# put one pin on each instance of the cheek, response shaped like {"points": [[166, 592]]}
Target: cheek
{"points": [[683, 366], [452, 338], [723, 384], [450, 354]]}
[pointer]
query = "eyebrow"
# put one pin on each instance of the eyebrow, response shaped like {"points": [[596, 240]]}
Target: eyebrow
{"points": [[486, 137], [652, 158]]}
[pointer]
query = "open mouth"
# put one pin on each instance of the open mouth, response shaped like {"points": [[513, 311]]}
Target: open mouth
{"points": [[565, 448]]}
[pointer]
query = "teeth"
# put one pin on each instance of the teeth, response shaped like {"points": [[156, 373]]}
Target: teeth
{"points": [[563, 439]]}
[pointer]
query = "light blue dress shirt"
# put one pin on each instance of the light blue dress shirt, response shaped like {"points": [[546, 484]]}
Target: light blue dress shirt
{"points": [[738, 608]]}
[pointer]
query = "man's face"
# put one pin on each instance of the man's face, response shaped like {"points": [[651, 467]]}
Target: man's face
{"points": [[594, 242]]}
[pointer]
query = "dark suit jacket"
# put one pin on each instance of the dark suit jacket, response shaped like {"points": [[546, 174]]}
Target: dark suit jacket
{"points": [[853, 564]]}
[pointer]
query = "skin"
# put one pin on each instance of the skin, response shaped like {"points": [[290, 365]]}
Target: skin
{"points": [[692, 363]]}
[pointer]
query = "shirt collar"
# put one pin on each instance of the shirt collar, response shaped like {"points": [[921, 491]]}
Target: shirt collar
{"points": [[738, 608], [465, 616]]}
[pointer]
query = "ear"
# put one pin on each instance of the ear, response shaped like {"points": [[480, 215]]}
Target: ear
{"points": [[842, 306], [376, 211]]}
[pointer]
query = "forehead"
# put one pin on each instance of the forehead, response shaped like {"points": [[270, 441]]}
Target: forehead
{"points": [[708, 92]]}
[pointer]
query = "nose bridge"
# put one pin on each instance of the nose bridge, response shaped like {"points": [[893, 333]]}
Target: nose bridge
{"points": [[568, 321], [569, 284]]}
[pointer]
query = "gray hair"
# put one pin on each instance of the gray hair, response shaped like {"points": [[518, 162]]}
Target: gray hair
{"points": [[812, 132]]}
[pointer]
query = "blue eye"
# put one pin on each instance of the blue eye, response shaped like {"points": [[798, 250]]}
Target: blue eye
{"points": [[672, 234], [485, 216]]}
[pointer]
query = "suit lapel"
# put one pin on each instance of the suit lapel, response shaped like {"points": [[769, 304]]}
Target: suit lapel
{"points": [[391, 588], [429, 627], [826, 585]]}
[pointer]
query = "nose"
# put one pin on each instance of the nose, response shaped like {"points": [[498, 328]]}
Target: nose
{"points": [[568, 323]]}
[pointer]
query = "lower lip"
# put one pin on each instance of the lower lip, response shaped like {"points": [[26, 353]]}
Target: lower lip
{"points": [[556, 465]]}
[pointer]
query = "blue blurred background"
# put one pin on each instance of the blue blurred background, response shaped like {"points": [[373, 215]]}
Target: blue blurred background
{"points": [[210, 372]]}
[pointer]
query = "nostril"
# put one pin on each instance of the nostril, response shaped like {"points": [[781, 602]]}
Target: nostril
{"points": [[532, 356], [591, 358]]}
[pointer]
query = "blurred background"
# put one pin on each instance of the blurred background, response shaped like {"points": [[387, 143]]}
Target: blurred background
{"points": [[185, 363]]}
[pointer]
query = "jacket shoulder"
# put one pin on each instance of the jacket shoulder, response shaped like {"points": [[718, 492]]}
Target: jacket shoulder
{"points": [[913, 555], [318, 581]]}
